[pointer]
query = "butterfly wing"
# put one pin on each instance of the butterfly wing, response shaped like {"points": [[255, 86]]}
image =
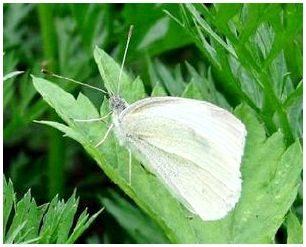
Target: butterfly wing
{"points": [[194, 147]]}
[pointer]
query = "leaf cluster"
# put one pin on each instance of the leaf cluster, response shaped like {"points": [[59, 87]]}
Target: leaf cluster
{"points": [[24, 222]]}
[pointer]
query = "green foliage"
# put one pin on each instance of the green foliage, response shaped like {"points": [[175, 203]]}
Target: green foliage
{"points": [[246, 44], [25, 222], [143, 229], [265, 168]]}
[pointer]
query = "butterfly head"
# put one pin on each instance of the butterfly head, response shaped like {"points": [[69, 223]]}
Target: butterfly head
{"points": [[117, 104]]}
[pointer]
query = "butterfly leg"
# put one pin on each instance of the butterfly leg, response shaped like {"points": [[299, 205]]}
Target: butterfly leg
{"points": [[105, 136], [130, 167]]}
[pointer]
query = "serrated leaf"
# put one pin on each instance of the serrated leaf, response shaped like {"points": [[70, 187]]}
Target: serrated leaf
{"points": [[42, 86], [48, 223], [63, 128]]}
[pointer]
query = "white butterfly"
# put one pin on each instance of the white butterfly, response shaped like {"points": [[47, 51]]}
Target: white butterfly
{"points": [[192, 146]]}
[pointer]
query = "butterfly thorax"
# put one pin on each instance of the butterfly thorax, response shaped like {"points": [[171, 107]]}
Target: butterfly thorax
{"points": [[118, 105]]}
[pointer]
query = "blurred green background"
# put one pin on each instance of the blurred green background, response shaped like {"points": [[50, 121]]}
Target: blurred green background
{"points": [[61, 38]]}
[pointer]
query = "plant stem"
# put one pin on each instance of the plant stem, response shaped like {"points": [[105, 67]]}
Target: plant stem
{"points": [[56, 148]]}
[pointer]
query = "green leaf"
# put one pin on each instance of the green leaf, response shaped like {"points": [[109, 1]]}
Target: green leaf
{"points": [[294, 229], [142, 229], [271, 172]]}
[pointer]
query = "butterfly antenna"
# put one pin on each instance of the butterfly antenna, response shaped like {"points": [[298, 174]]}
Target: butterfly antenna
{"points": [[69, 79], [124, 55]]}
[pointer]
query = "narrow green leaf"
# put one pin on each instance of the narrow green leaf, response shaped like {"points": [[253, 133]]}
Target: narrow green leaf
{"points": [[33, 221], [8, 202], [206, 27], [78, 228], [155, 32], [294, 229], [11, 237], [31, 241], [12, 74], [45, 230], [136, 223], [82, 224], [205, 85], [66, 219], [174, 87]]}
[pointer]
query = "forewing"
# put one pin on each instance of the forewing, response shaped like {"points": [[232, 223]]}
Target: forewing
{"points": [[193, 146]]}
